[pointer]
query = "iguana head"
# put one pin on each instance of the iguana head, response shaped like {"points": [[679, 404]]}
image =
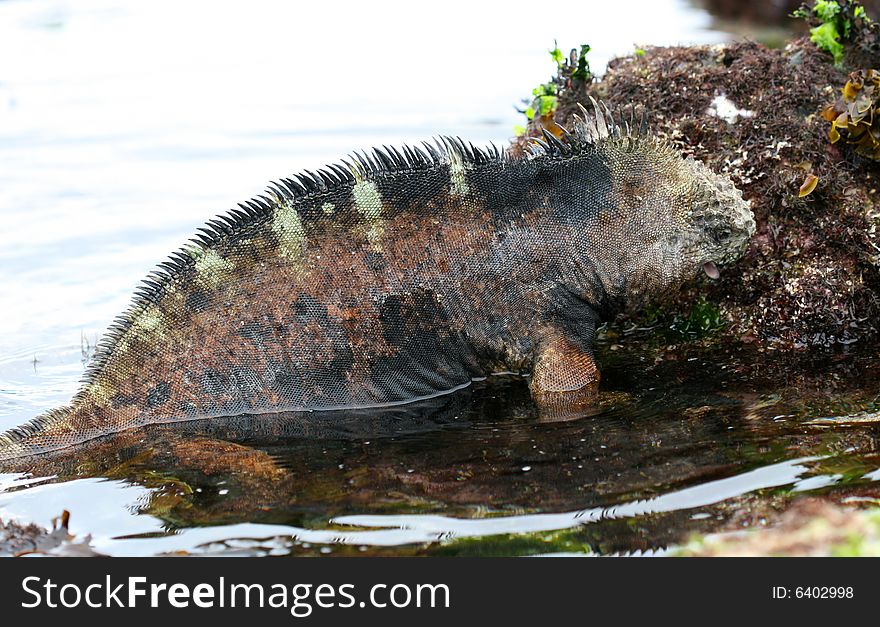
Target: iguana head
{"points": [[719, 222], [684, 219], [662, 219]]}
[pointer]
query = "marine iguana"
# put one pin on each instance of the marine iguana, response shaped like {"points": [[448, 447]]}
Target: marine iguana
{"points": [[405, 273]]}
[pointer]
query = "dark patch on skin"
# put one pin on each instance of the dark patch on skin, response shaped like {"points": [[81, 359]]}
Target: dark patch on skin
{"points": [[100, 413], [323, 385], [573, 318], [328, 384], [283, 379], [508, 195], [572, 193], [413, 317], [255, 332], [308, 309], [251, 250], [375, 262], [246, 381], [213, 383], [159, 395], [197, 301], [399, 199], [188, 409], [315, 220], [121, 400], [236, 388], [429, 354], [561, 187]]}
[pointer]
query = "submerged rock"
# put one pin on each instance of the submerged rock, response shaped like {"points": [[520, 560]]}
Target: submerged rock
{"points": [[18, 540]]}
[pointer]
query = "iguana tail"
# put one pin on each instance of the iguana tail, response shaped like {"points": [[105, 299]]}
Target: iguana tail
{"points": [[55, 430]]}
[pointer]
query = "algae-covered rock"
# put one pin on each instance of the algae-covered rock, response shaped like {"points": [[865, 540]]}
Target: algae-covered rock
{"points": [[812, 527], [810, 275]]}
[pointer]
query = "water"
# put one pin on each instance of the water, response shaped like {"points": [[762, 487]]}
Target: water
{"points": [[124, 126], [688, 445]]}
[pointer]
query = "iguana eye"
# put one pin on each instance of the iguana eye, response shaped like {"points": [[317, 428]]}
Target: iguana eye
{"points": [[720, 236]]}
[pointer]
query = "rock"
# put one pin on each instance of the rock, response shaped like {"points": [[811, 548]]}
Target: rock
{"points": [[811, 275], [19, 540]]}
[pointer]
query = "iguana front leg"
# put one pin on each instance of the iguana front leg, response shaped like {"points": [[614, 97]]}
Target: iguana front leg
{"points": [[565, 373]]}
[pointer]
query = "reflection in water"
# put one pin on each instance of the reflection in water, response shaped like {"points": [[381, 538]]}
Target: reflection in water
{"points": [[676, 446]]}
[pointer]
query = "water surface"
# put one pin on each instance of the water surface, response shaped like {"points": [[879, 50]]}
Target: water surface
{"points": [[679, 445]]}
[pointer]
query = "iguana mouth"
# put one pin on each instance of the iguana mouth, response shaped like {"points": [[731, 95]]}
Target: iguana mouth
{"points": [[711, 270]]}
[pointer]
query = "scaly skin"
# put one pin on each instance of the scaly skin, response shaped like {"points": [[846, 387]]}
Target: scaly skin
{"points": [[406, 274]]}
